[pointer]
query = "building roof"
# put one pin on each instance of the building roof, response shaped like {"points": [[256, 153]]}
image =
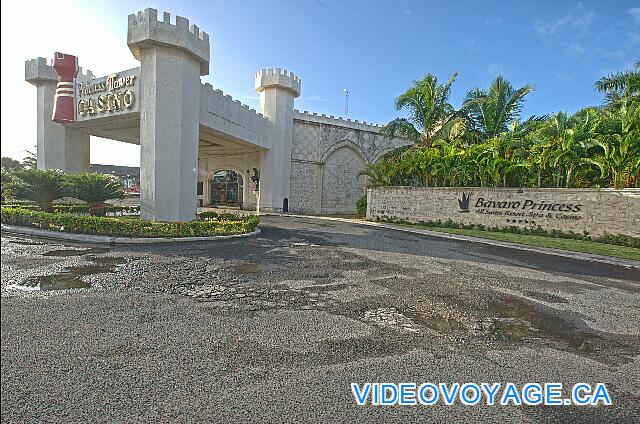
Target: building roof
{"points": [[121, 171]]}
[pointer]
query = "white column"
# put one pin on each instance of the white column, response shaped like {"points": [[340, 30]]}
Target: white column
{"points": [[169, 132], [172, 57]]}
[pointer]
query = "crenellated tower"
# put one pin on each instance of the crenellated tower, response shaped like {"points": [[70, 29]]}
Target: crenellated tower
{"points": [[59, 147], [278, 88], [172, 58]]}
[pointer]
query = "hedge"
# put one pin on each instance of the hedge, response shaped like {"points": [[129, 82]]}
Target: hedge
{"points": [[118, 227], [617, 239], [73, 207]]}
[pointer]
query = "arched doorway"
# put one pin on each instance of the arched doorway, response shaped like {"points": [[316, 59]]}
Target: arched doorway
{"points": [[226, 188], [342, 184]]}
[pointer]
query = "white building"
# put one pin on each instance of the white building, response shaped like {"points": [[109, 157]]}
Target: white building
{"points": [[199, 145]]}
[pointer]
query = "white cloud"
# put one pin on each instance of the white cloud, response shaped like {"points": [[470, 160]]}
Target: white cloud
{"points": [[578, 19], [635, 14], [99, 41]]}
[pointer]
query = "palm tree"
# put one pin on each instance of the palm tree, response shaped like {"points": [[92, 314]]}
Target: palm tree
{"points": [[94, 189], [427, 104], [491, 111], [40, 185], [619, 150], [380, 173], [621, 86]]}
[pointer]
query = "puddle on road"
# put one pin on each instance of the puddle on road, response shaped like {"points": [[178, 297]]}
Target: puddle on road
{"points": [[519, 320], [441, 324], [71, 278], [62, 253]]}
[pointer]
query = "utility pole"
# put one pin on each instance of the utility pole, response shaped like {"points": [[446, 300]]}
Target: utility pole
{"points": [[346, 102]]}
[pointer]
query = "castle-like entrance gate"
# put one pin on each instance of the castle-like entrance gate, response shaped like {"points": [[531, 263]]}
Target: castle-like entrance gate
{"points": [[180, 123]]}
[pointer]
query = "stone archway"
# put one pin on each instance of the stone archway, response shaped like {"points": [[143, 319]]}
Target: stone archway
{"points": [[342, 184]]}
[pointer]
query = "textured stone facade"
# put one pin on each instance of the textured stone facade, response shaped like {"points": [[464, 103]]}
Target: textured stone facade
{"points": [[576, 210], [327, 156]]}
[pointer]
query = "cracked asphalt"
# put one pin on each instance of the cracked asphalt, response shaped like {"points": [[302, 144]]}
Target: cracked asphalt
{"points": [[277, 327]]}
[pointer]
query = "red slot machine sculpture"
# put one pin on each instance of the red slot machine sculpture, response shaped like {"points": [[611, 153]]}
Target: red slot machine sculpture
{"points": [[66, 66]]}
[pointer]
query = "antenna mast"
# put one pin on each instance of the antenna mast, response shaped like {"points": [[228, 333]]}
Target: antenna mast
{"points": [[346, 102]]}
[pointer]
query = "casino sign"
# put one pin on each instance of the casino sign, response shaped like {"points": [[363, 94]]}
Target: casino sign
{"points": [[111, 95]]}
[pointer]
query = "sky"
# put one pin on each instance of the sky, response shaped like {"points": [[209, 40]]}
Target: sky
{"points": [[375, 49]]}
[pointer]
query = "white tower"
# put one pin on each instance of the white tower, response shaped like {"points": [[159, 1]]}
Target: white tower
{"points": [[278, 88], [172, 57]]}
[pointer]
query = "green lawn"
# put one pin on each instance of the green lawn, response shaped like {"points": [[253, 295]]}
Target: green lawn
{"points": [[542, 241]]}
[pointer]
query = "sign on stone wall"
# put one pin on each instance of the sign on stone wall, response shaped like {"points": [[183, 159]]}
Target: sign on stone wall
{"points": [[112, 95], [523, 210], [577, 210]]}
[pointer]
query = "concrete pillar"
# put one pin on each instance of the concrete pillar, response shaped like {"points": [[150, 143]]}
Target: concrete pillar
{"points": [[172, 57], [278, 89], [59, 147]]}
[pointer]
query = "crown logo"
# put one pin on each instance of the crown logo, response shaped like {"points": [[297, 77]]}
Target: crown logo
{"points": [[464, 203]]}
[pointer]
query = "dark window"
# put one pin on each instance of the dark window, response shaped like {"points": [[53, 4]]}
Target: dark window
{"points": [[200, 188]]}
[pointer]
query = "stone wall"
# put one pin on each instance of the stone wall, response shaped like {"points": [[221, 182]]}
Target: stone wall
{"points": [[577, 210], [327, 155]]}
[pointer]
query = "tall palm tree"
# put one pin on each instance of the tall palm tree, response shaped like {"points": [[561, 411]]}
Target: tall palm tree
{"points": [[491, 111], [428, 108], [620, 86]]}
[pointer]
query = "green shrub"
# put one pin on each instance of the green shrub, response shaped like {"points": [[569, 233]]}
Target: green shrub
{"points": [[211, 215], [40, 185], [8, 185], [95, 189], [361, 206], [126, 227], [77, 208]]}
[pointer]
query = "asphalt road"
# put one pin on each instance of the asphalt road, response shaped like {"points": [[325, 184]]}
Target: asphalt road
{"points": [[277, 327]]}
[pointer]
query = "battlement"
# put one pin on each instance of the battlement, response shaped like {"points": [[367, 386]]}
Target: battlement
{"points": [[336, 120], [229, 101], [277, 77], [144, 30], [41, 69]]}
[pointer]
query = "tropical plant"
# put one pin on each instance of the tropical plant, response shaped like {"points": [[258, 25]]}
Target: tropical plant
{"points": [[491, 111], [620, 87], [428, 108], [95, 189], [41, 186], [8, 185]]}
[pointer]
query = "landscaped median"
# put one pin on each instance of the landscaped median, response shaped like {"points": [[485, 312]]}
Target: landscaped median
{"points": [[207, 225]]}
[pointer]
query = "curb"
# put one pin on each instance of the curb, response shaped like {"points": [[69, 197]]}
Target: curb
{"points": [[87, 238], [627, 263]]}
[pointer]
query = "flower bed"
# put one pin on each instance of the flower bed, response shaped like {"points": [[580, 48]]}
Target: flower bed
{"points": [[117, 227]]}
